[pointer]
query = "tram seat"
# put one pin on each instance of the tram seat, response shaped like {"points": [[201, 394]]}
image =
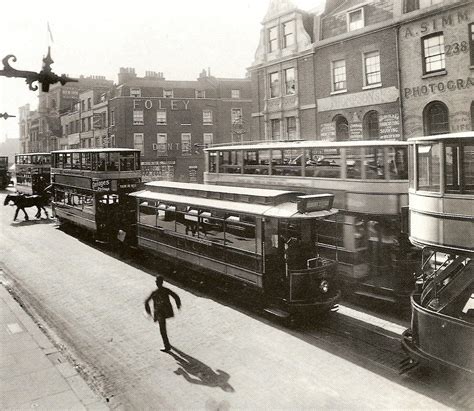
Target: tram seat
{"points": [[439, 276]]}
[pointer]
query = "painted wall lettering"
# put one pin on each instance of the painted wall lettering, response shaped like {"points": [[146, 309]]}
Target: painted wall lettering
{"points": [[161, 104], [440, 87], [439, 23]]}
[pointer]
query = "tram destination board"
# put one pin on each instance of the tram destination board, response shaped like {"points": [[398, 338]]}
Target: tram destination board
{"points": [[315, 202]]}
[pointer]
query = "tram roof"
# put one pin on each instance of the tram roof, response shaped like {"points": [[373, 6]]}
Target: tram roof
{"points": [[306, 144], [95, 150], [462, 135], [252, 192], [32, 154], [284, 210]]}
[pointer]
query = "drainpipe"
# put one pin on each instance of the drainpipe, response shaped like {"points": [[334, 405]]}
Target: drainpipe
{"points": [[399, 79]]}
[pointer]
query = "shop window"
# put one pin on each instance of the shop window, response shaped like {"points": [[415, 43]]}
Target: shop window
{"points": [[272, 39], [371, 123], [342, 128], [275, 129], [339, 75], [355, 19], [433, 53], [288, 33], [274, 85], [167, 93], [436, 118], [290, 85], [291, 128], [372, 68], [200, 93]]}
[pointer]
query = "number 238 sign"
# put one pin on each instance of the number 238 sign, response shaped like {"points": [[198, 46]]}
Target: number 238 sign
{"points": [[456, 48]]}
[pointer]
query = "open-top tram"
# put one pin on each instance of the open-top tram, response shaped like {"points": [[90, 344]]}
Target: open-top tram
{"points": [[442, 224], [266, 239], [91, 187], [369, 180], [33, 172]]}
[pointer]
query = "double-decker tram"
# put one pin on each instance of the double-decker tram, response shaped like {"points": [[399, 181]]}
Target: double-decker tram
{"points": [[442, 224], [32, 171], [266, 239], [91, 187], [369, 180], [4, 174]]}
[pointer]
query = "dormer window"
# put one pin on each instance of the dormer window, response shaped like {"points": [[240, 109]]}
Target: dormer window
{"points": [[135, 92], [288, 29], [355, 19], [272, 39], [200, 93], [167, 93]]}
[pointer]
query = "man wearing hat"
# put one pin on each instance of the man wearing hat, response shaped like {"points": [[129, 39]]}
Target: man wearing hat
{"points": [[162, 308]]}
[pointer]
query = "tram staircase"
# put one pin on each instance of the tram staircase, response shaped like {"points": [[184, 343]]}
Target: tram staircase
{"points": [[460, 273]]}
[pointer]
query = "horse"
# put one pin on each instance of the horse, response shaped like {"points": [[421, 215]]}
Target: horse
{"points": [[23, 201]]}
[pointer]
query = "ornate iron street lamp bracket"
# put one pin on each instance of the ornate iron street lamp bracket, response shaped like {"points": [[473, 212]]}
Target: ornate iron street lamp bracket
{"points": [[45, 77], [6, 115]]}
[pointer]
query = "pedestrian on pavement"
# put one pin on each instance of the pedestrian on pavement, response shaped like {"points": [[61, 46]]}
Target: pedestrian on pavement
{"points": [[162, 308], [122, 248]]}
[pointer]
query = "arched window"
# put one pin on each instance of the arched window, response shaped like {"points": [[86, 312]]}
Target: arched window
{"points": [[371, 125], [342, 128], [436, 118]]}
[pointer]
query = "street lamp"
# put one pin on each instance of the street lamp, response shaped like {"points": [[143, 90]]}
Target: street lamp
{"points": [[45, 77]]}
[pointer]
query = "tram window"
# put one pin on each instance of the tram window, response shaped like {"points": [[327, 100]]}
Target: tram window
{"points": [[323, 162], [147, 212], [101, 160], [428, 157], [60, 160], [76, 160], [231, 162], [397, 163], [468, 168], [411, 163], [67, 160], [166, 217], [451, 164], [374, 163], [354, 162], [137, 161], [127, 162], [212, 156], [211, 227], [86, 161], [88, 203], [239, 234], [113, 162]]}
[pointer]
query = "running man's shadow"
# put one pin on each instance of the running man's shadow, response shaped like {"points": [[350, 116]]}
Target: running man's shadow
{"points": [[196, 372]]}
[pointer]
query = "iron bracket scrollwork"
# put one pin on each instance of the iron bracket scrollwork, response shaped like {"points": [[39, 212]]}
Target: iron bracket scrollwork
{"points": [[6, 115], [45, 77]]}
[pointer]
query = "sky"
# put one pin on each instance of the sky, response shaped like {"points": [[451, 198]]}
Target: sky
{"points": [[92, 37]]}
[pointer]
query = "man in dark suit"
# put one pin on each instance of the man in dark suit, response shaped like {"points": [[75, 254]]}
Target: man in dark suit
{"points": [[162, 308]]}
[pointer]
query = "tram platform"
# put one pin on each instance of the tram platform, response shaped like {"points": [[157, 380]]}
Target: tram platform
{"points": [[33, 373]]}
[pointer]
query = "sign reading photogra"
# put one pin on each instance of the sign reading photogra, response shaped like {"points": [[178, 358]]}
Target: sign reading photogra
{"points": [[439, 87], [389, 126]]}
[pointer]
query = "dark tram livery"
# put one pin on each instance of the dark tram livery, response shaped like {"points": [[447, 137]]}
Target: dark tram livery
{"points": [[264, 238], [442, 224], [91, 187], [4, 174], [33, 172]]}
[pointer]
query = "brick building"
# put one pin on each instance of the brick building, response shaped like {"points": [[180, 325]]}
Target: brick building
{"points": [[361, 70], [170, 121], [437, 76]]}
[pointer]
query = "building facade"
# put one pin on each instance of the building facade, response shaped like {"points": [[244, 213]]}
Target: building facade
{"points": [[437, 61], [364, 70], [171, 121]]}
